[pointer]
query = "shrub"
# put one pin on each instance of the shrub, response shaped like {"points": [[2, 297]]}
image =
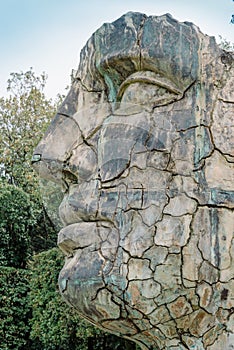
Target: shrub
{"points": [[53, 324], [16, 220], [14, 309]]}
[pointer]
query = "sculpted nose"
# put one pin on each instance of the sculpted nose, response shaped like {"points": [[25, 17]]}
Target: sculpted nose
{"points": [[54, 149], [63, 134]]}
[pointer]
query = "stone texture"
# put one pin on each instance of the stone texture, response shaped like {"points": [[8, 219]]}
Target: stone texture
{"points": [[179, 307], [180, 205], [192, 260], [219, 172], [138, 269], [173, 231], [215, 247], [160, 315], [139, 238], [143, 148]]}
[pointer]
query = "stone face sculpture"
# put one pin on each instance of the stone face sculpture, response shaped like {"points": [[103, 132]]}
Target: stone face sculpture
{"points": [[144, 147]]}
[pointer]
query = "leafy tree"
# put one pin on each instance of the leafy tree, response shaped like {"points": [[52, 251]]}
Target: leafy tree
{"points": [[24, 116], [52, 325], [17, 217], [14, 309]]}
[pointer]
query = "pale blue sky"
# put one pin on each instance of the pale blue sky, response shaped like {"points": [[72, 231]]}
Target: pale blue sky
{"points": [[48, 34]]}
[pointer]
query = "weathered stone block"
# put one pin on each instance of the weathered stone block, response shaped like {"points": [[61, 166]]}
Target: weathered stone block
{"points": [[143, 148]]}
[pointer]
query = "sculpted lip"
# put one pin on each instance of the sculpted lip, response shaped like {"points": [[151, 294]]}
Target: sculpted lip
{"points": [[75, 208], [95, 235], [78, 236], [80, 203], [84, 204]]}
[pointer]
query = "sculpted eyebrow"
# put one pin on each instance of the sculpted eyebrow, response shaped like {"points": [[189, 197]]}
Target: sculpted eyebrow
{"points": [[148, 77]]}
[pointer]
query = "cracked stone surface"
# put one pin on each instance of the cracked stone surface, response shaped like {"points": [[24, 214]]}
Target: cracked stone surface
{"points": [[143, 146]]}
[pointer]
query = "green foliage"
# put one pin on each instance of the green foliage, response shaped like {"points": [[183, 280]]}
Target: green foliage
{"points": [[24, 116], [14, 309], [17, 216], [53, 324]]}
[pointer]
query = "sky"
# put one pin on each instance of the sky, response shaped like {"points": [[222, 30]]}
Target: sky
{"points": [[48, 35]]}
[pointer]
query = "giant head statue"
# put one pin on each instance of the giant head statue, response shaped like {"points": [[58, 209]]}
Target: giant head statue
{"points": [[143, 146]]}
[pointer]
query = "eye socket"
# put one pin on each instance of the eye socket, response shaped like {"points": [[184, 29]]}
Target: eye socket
{"points": [[144, 93], [148, 88]]}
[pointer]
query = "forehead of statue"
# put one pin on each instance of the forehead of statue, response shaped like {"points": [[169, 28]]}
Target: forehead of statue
{"points": [[136, 42]]}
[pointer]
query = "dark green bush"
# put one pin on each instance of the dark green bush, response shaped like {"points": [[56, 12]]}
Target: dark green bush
{"points": [[53, 325], [16, 220], [14, 309]]}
